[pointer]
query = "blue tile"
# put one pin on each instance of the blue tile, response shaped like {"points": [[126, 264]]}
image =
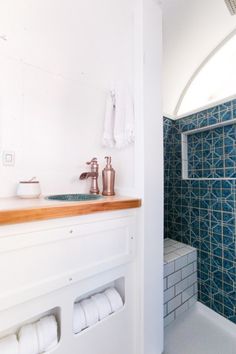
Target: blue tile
{"points": [[212, 227], [228, 312], [218, 307]]}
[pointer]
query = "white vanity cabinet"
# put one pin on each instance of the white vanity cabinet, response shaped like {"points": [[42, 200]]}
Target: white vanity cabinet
{"points": [[46, 266]]}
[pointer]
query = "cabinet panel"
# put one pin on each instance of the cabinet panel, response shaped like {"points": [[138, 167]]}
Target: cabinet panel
{"points": [[42, 261]]}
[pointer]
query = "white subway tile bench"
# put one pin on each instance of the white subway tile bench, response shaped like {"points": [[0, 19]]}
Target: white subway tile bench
{"points": [[180, 279]]}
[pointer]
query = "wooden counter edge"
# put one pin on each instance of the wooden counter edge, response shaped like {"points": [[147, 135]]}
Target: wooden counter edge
{"points": [[16, 216]]}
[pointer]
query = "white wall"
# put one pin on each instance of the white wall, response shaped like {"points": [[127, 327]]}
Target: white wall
{"points": [[149, 171], [56, 66], [191, 30]]}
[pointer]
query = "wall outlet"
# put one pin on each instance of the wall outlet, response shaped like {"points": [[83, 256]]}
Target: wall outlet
{"points": [[8, 158]]}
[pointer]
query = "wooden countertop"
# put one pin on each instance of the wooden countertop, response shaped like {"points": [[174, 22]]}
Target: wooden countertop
{"points": [[16, 210]]}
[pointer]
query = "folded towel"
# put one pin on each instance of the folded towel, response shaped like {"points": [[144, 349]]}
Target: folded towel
{"points": [[108, 134], [28, 340], [47, 333], [79, 320], [9, 345], [119, 118]]}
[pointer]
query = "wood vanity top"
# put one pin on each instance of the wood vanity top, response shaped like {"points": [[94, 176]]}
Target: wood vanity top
{"points": [[15, 210]]}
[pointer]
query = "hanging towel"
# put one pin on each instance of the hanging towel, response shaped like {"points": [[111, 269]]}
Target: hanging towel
{"points": [[9, 345], [124, 117], [119, 118], [47, 333], [108, 134]]}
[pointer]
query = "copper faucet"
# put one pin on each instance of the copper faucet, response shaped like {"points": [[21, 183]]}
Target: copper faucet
{"points": [[93, 174]]}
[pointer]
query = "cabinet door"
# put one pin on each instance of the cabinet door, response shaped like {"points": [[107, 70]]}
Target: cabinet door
{"points": [[41, 261]]}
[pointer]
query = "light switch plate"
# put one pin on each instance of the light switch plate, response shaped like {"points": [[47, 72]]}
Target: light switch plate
{"points": [[8, 158]]}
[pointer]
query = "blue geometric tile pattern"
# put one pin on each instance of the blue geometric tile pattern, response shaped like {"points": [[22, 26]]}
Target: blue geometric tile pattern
{"points": [[202, 213], [212, 153]]}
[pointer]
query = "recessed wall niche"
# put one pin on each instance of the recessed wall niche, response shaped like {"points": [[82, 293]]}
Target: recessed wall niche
{"points": [[210, 152]]}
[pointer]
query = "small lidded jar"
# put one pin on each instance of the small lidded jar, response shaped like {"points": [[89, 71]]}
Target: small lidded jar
{"points": [[28, 189]]}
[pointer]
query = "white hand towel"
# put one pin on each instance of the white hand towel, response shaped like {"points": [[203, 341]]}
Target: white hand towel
{"points": [[47, 332], [28, 340], [114, 298], [9, 345], [124, 117], [79, 320], [108, 134]]}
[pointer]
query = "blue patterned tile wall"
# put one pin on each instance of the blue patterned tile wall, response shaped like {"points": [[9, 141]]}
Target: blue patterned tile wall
{"points": [[212, 153], [202, 212], [169, 134]]}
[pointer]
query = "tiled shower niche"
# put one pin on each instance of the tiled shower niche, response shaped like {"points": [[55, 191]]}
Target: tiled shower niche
{"points": [[210, 153]]}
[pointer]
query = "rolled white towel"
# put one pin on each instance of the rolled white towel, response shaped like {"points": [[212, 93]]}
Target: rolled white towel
{"points": [[28, 340], [47, 333], [103, 305], [52, 346], [9, 345], [79, 320], [114, 298], [90, 311]]}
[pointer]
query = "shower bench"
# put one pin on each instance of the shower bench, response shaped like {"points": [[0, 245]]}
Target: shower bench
{"points": [[180, 279]]}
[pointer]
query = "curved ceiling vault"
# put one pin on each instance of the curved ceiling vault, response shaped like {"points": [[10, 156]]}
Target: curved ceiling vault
{"points": [[192, 30]]}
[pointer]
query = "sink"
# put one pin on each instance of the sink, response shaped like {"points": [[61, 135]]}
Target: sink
{"points": [[74, 197]]}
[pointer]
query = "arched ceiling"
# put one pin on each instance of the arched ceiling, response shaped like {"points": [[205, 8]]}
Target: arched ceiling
{"points": [[192, 29]]}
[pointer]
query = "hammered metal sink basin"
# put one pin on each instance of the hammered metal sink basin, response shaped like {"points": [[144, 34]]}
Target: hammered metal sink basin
{"points": [[74, 197]]}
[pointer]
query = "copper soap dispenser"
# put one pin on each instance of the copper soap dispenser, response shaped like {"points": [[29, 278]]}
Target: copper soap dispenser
{"points": [[108, 178]]}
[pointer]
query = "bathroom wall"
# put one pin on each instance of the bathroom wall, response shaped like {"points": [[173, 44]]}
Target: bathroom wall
{"points": [[58, 60], [201, 212]]}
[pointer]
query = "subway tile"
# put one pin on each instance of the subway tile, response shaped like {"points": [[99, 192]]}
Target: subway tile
{"points": [[168, 319], [192, 257], [165, 312], [183, 251], [181, 262], [174, 303], [171, 257], [164, 283], [186, 271], [169, 249], [181, 286], [174, 278], [169, 268], [187, 293], [169, 294], [192, 278], [181, 309]]}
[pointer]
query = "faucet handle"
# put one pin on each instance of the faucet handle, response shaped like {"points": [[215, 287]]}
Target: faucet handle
{"points": [[94, 161]]}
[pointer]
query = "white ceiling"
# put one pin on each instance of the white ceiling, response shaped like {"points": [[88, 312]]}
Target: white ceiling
{"points": [[192, 29]]}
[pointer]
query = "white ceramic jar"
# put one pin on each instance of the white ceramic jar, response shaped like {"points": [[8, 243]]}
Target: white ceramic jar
{"points": [[28, 189]]}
